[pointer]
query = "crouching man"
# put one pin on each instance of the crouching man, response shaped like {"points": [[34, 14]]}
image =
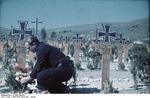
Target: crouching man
{"points": [[51, 69]]}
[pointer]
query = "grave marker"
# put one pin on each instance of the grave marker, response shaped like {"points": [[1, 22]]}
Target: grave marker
{"points": [[21, 60], [126, 50], [66, 46], [105, 65], [107, 35], [36, 25], [1, 48], [121, 41], [22, 32], [77, 51], [106, 51]]}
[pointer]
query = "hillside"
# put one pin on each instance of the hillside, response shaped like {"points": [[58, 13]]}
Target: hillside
{"points": [[136, 29], [4, 31]]}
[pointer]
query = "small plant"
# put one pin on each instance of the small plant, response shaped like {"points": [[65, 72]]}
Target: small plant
{"points": [[121, 67], [78, 66], [114, 53], [8, 69], [96, 57], [108, 87]]}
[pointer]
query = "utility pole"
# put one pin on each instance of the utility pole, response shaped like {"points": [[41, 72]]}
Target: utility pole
{"points": [[36, 23]]}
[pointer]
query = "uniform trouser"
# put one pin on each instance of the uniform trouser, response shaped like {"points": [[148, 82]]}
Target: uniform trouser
{"points": [[52, 78]]}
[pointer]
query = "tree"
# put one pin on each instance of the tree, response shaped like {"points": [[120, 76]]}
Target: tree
{"points": [[140, 64], [53, 36], [43, 35]]}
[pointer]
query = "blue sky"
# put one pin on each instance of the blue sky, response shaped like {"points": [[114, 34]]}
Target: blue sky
{"points": [[60, 13]]}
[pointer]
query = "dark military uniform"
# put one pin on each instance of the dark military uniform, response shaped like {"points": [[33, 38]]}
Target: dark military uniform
{"points": [[52, 68]]}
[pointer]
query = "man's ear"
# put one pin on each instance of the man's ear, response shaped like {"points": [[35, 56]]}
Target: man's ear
{"points": [[34, 43], [26, 44]]}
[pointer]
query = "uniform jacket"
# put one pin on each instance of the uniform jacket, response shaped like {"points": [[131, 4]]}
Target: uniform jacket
{"points": [[47, 57]]}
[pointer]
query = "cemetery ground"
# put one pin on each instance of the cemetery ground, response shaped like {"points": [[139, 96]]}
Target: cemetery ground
{"points": [[89, 82]]}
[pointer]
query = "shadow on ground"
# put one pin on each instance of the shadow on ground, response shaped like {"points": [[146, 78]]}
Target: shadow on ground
{"points": [[78, 89], [5, 90], [84, 90], [73, 91]]}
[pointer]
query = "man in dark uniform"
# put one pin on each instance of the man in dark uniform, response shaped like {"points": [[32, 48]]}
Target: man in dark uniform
{"points": [[51, 69]]}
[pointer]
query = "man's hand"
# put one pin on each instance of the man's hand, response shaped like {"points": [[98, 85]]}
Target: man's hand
{"points": [[25, 79], [21, 68]]}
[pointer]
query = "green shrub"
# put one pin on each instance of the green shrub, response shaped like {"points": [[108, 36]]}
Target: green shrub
{"points": [[140, 64]]}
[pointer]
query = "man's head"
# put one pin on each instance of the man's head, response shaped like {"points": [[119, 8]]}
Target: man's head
{"points": [[32, 43]]}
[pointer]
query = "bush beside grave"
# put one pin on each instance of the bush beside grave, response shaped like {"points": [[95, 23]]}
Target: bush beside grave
{"points": [[10, 76], [140, 65]]}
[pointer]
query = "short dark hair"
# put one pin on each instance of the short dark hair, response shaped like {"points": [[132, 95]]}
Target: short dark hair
{"points": [[33, 40]]}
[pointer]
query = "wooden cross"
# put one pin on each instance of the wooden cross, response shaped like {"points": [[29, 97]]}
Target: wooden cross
{"points": [[1, 44], [1, 48], [121, 41], [61, 45], [77, 49], [105, 65], [66, 44], [21, 59], [97, 31], [22, 32], [77, 38], [126, 50], [36, 23], [107, 35], [106, 51]]}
